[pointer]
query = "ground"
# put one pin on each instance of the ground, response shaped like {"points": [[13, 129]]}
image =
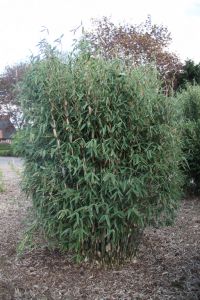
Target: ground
{"points": [[167, 266]]}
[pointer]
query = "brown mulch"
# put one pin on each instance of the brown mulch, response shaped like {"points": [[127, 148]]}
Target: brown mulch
{"points": [[167, 266]]}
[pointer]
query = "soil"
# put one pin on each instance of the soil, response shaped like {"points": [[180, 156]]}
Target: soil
{"points": [[167, 266]]}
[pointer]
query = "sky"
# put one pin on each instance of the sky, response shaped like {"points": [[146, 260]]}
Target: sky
{"points": [[22, 23]]}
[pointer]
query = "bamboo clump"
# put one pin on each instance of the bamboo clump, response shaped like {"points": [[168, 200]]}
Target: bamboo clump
{"points": [[101, 156]]}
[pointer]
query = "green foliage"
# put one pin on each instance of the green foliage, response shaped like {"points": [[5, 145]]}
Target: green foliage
{"points": [[101, 153], [190, 99], [190, 74]]}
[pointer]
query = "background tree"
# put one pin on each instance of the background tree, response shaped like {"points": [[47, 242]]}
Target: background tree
{"points": [[9, 102], [140, 44], [189, 74]]}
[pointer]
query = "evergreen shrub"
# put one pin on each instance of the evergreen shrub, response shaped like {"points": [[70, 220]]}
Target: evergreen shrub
{"points": [[101, 151], [190, 100]]}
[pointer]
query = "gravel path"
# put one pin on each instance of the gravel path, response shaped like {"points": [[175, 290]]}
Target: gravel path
{"points": [[5, 161], [167, 266]]}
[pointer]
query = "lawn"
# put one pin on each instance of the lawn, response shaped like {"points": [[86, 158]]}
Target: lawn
{"points": [[6, 150]]}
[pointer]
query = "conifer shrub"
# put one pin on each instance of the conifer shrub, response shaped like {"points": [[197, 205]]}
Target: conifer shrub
{"points": [[101, 152], [190, 100]]}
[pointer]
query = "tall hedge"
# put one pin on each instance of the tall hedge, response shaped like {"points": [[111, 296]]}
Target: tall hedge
{"points": [[102, 153], [190, 100]]}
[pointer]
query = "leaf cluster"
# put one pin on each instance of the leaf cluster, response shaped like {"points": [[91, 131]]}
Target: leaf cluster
{"points": [[190, 74]]}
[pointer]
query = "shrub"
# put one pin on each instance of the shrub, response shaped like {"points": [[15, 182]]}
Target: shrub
{"points": [[101, 153], [190, 99]]}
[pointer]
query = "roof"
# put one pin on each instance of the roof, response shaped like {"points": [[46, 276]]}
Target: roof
{"points": [[6, 127]]}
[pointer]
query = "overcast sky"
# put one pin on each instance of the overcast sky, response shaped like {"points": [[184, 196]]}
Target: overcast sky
{"points": [[21, 22]]}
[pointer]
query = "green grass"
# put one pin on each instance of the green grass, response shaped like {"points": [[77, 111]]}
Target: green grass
{"points": [[5, 146], [6, 150]]}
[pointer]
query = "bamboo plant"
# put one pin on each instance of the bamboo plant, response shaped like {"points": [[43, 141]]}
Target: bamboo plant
{"points": [[101, 151]]}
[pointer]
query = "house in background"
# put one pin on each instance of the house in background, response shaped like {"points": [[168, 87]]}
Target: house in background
{"points": [[6, 129]]}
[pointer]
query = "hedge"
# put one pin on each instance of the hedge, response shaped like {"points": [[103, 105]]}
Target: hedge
{"points": [[190, 101]]}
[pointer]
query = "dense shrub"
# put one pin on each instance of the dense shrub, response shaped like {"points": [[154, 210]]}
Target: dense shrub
{"points": [[190, 100], [102, 153]]}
